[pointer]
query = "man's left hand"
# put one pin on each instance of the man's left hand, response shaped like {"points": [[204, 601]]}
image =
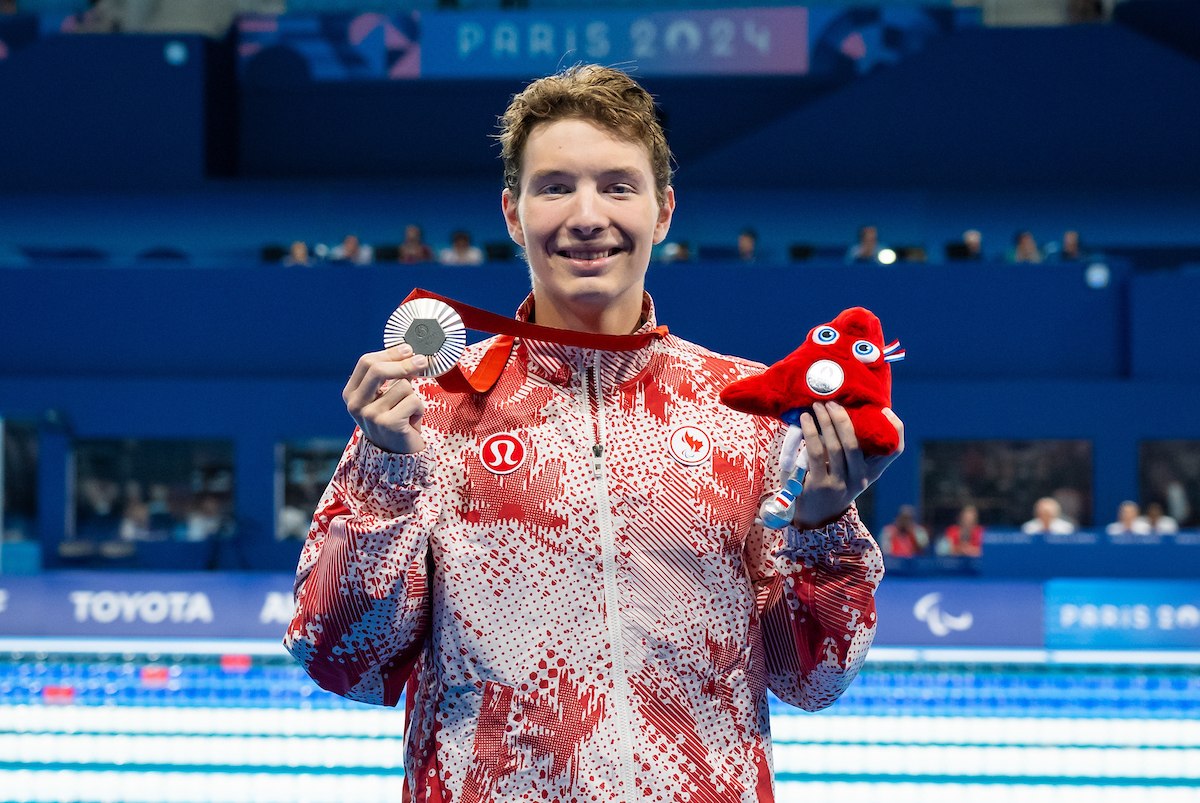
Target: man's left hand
{"points": [[837, 470]]}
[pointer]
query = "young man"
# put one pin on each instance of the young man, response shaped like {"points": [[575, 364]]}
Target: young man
{"points": [[566, 569]]}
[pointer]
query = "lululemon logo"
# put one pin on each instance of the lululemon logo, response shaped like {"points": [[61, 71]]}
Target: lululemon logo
{"points": [[502, 453], [690, 445]]}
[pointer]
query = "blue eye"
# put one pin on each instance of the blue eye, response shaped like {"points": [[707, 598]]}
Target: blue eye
{"points": [[825, 335], [866, 351]]}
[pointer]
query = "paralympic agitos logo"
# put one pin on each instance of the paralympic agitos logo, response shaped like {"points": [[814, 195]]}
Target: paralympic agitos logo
{"points": [[940, 623]]}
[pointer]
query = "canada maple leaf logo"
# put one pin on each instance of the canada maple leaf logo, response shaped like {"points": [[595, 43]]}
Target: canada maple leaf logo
{"points": [[689, 445]]}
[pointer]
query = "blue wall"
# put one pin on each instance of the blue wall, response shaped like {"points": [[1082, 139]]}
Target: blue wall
{"points": [[1082, 106], [1164, 315], [259, 355], [103, 111], [958, 322]]}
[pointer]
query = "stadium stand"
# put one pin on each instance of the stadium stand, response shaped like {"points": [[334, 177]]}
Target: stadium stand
{"points": [[169, 386]]}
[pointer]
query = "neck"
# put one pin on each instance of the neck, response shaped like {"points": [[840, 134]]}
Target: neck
{"points": [[620, 317]]}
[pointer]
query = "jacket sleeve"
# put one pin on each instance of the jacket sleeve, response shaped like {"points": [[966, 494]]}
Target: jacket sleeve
{"points": [[362, 586], [815, 591]]}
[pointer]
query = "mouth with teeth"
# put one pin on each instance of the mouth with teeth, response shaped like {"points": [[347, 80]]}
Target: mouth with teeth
{"points": [[588, 256]]}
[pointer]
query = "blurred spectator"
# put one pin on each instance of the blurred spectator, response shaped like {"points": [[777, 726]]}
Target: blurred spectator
{"points": [[1047, 518], [351, 250], [1128, 522], [904, 538], [414, 249], [1068, 250], [1085, 10], [966, 536], [293, 520], [8, 7], [973, 242], [676, 252], [1070, 505], [1178, 505], [1025, 248], [1157, 521], [867, 247], [162, 516], [169, 16], [206, 521], [747, 245], [298, 254], [461, 252], [135, 524], [97, 510], [969, 249]]}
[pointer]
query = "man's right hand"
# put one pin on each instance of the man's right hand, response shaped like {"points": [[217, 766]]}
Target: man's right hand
{"points": [[381, 399]]}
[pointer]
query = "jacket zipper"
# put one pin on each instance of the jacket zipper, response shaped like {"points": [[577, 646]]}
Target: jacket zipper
{"points": [[612, 602]]}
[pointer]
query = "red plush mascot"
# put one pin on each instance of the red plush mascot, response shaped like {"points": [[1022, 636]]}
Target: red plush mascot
{"points": [[845, 361]]}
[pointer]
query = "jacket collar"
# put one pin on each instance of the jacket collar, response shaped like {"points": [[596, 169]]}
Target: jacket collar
{"points": [[568, 365]]}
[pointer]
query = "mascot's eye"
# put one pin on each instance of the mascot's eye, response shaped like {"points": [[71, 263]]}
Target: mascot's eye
{"points": [[866, 351], [825, 335]]}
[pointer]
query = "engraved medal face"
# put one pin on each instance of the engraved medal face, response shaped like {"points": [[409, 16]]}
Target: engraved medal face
{"points": [[425, 336], [824, 377], [432, 328]]}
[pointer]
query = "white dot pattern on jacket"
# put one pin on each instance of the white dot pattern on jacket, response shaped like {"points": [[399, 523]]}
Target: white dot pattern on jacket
{"points": [[520, 692]]}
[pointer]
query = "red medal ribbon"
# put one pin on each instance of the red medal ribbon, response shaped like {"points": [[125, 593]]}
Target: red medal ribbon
{"points": [[481, 380]]}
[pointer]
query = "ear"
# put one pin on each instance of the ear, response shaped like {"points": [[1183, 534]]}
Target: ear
{"points": [[509, 205], [663, 225]]}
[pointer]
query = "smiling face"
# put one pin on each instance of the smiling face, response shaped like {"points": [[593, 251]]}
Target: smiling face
{"points": [[587, 217]]}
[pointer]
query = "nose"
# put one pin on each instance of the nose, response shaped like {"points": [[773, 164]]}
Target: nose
{"points": [[586, 217]]}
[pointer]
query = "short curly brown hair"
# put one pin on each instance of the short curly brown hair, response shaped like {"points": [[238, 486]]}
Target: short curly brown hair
{"points": [[602, 95]]}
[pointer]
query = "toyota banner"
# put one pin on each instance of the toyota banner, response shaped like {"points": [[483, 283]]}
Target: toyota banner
{"points": [[146, 605], [1058, 614]]}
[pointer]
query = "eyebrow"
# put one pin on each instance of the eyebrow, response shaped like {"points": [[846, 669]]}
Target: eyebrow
{"points": [[624, 173]]}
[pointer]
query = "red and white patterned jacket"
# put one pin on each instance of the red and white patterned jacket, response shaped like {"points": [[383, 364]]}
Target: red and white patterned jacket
{"points": [[582, 623]]}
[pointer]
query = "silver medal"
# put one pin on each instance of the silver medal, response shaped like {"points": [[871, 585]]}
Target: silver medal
{"points": [[432, 328]]}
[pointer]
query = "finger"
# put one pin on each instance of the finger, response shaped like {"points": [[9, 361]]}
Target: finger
{"points": [[405, 416], [400, 351], [814, 447], [842, 425], [898, 424], [379, 373], [833, 444], [366, 361], [856, 469], [388, 397], [876, 465]]}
